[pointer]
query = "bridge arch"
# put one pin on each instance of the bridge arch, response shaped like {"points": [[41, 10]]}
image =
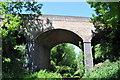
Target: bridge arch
{"points": [[47, 40], [56, 36]]}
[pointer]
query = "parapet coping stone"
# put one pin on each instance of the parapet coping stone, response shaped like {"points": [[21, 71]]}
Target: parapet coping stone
{"points": [[60, 18]]}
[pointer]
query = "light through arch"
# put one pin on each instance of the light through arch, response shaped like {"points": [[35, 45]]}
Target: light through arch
{"points": [[67, 59]]}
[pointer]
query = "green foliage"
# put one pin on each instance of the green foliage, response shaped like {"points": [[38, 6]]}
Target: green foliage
{"points": [[107, 14], [107, 71], [26, 7], [13, 41], [63, 60], [80, 65], [7, 60], [107, 19], [63, 54], [20, 48], [106, 50], [43, 74], [103, 53], [12, 22], [18, 75]]}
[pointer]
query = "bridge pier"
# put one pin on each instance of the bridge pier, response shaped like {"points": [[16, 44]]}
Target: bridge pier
{"points": [[29, 55], [88, 59], [41, 57]]}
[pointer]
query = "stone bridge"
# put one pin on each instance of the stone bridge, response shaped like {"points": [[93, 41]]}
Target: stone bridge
{"points": [[47, 31]]}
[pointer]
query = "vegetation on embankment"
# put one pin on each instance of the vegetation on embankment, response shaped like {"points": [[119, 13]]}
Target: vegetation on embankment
{"points": [[106, 70], [107, 19]]}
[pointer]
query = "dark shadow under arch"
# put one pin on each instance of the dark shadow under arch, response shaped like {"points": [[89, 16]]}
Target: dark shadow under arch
{"points": [[97, 39], [57, 36]]}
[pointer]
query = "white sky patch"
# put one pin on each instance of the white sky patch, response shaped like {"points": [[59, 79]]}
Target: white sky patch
{"points": [[77, 50]]}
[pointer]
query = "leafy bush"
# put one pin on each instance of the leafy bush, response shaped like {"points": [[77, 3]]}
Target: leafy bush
{"points": [[65, 71], [80, 65], [20, 48], [43, 74], [108, 70], [10, 75], [13, 67], [106, 50]]}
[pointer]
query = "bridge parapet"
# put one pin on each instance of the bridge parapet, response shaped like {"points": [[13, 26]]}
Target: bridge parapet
{"points": [[65, 18]]}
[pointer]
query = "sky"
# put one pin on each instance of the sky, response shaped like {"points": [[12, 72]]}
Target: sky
{"points": [[81, 9]]}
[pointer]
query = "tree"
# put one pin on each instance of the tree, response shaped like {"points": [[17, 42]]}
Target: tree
{"points": [[107, 19], [13, 41], [63, 59], [64, 54]]}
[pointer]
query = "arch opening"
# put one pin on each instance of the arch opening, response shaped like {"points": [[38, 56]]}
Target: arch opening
{"points": [[67, 59], [47, 40]]}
